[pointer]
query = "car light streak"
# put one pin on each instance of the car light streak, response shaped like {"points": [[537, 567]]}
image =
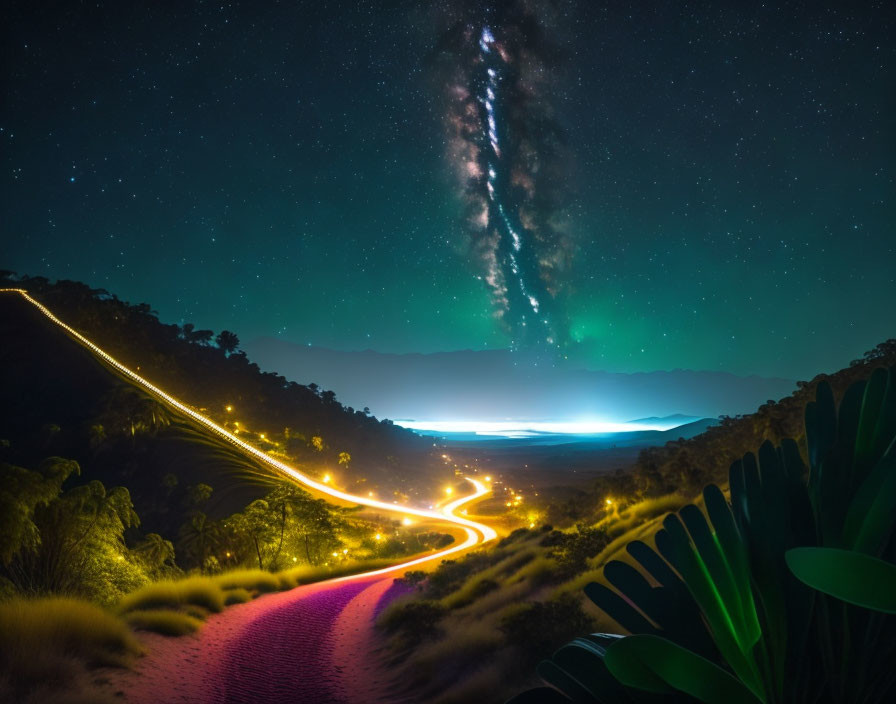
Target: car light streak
{"points": [[473, 529]]}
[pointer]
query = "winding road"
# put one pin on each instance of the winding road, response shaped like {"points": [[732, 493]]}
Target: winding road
{"points": [[313, 644]]}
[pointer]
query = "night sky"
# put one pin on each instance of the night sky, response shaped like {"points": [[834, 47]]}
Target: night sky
{"points": [[285, 169]]}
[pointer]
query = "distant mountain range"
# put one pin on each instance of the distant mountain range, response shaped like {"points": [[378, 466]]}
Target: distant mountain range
{"points": [[635, 438], [491, 385]]}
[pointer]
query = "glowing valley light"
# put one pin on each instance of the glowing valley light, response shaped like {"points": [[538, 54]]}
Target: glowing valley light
{"points": [[475, 532], [523, 429]]}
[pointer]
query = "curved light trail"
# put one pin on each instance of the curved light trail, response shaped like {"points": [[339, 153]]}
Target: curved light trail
{"points": [[476, 532]]}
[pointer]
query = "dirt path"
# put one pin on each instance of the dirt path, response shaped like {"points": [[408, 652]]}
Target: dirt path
{"points": [[314, 644]]}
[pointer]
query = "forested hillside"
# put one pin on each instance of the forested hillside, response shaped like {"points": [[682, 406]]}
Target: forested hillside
{"points": [[684, 467], [103, 488], [208, 371]]}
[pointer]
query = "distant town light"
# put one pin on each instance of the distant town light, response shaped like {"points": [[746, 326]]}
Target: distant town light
{"points": [[406, 521], [228, 408]]}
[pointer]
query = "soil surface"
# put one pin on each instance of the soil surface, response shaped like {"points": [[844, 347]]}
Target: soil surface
{"points": [[313, 644]]}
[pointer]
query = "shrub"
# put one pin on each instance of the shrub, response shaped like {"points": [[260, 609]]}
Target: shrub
{"points": [[413, 619], [539, 627], [286, 581], [451, 574], [474, 589], [168, 623], [412, 578]]}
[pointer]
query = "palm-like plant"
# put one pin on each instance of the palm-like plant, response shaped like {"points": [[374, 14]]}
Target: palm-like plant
{"points": [[785, 594]]}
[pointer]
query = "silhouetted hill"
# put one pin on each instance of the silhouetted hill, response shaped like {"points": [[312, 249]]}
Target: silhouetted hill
{"points": [[687, 464], [489, 385], [305, 423], [105, 486]]}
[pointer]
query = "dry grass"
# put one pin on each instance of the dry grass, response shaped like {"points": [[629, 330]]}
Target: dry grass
{"points": [[520, 577], [251, 580], [168, 623], [636, 514], [196, 591], [308, 574], [48, 645], [516, 567], [488, 606], [236, 596], [74, 628], [538, 571]]}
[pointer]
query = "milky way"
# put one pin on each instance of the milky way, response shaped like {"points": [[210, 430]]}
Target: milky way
{"points": [[505, 144]]}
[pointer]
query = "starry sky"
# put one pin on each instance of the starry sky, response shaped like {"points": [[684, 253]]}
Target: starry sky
{"points": [[279, 168]]}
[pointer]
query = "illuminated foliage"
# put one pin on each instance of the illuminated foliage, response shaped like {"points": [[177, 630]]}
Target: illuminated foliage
{"points": [[69, 542], [22, 491]]}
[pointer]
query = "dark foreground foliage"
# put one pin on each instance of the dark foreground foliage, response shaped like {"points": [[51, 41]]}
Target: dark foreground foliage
{"points": [[785, 594]]}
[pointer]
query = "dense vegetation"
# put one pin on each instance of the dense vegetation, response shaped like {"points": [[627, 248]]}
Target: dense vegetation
{"points": [[107, 495], [686, 466], [494, 613], [103, 489], [120, 514], [787, 594]]}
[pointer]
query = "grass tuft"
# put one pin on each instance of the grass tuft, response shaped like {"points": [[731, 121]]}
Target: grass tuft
{"points": [[73, 627], [47, 646], [168, 623], [197, 591], [251, 580], [237, 596]]}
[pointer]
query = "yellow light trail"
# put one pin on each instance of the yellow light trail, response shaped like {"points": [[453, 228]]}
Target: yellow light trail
{"points": [[473, 529]]}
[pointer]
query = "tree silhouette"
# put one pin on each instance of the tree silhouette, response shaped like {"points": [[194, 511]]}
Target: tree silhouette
{"points": [[198, 537], [227, 342]]}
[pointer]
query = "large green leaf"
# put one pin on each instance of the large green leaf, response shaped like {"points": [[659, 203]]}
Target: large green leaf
{"points": [[655, 664], [872, 513], [539, 695], [733, 593], [618, 608], [566, 682], [885, 431], [680, 618], [851, 576], [675, 545], [821, 424], [870, 415]]}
